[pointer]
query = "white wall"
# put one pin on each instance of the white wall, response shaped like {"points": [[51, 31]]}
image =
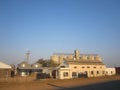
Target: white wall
{"points": [[4, 66], [110, 71]]}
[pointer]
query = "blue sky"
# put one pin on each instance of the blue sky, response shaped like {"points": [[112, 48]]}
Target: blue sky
{"points": [[48, 26]]}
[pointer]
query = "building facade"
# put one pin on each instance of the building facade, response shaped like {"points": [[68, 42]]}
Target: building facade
{"points": [[78, 69], [79, 65]]}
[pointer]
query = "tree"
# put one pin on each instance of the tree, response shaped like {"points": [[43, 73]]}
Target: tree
{"points": [[47, 63]]}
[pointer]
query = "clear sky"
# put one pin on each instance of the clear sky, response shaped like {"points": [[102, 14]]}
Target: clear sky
{"points": [[48, 26]]}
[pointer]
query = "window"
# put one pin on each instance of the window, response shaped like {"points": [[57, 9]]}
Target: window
{"points": [[97, 72], [65, 74], [74, 74], [75, 67], [83, 67], [62, 66], [92, 72], [88, 66]]}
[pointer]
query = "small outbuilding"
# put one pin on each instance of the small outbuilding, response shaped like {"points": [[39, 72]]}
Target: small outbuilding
{"points": [[5, 70], [110, 71], [25, 69]]}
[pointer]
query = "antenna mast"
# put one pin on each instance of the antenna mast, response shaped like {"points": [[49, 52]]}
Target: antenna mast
{"points": [[27, 56]]}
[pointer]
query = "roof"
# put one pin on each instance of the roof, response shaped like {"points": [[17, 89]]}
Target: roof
{"points": [[23, 62], [84, 62], [4, 65], [63, 64], [39, 64], [32, 68]]}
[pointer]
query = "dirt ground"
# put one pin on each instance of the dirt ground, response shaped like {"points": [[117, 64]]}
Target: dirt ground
{"points": [[100, 83]]}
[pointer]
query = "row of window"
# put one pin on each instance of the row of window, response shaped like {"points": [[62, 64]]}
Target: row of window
{"points": [[97, 72], [110, 72], [74, 74], [86, 67], [94, 58]]}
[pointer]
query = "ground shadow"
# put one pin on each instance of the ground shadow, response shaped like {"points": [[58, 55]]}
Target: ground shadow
{"points": [[112, 85], [53, 85]]}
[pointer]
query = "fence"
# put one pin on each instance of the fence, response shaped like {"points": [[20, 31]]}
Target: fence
{"points": [[17, 79]]}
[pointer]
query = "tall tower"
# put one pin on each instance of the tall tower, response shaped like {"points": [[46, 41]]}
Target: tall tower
{"points": [[77, 54], [27, 56]]}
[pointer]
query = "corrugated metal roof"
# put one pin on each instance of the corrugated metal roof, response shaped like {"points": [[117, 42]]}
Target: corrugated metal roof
{"points": [[34, 68], [4, 65], [85, 62]]}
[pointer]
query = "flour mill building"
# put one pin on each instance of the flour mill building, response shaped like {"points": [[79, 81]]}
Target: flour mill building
{"points": [[78, 65]]}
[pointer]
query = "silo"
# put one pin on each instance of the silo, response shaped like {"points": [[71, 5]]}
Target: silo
{"points": [[98, 58], [91, 57], [84, 57], [55, 59]]}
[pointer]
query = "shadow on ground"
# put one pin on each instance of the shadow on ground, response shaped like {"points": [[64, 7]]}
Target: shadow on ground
{"points": [[112, 85], [56, 86]]}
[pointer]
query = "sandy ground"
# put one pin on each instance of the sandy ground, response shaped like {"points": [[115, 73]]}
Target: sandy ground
{"points": [[100, 83], [111, 85]]}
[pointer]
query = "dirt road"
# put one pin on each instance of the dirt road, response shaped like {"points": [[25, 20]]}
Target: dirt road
{"points": [[100, 83]]}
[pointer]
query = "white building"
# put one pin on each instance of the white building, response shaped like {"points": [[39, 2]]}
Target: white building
{"points": [[79, 65], [110, 71], [80, 68]]}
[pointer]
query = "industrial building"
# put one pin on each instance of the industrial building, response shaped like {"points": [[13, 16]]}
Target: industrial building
{"points": [[78, 65]]}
